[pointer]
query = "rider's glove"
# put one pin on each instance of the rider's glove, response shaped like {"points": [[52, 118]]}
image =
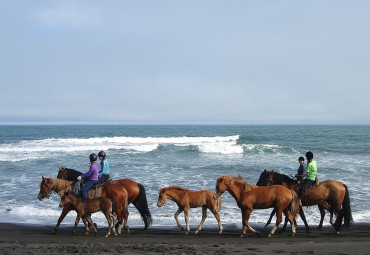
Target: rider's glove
{"points": [[79, 178]]}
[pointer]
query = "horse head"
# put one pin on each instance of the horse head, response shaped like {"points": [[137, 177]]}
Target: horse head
{"points": [[65, 199], [62, 173], [162, 197], [266, 178], [221, 186], [45, 188]]}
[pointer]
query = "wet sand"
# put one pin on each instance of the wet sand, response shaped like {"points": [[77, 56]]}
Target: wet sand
{"points": [[28, 239]]}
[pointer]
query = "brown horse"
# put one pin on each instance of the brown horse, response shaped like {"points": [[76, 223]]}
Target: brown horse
{"points": [[186, 199], [249, 197], [331, 192], [85, 207], [115, 192], [136, 192]]}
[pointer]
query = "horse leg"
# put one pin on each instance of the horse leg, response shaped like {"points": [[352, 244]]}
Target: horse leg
{"points": [[215, 213], [278, 221], [247, 215], [186, 212], [289, 217], [86, 221], [177, 220], [88, 218], [76, 223], [66, 209], [204, 216], [269, 221], [114, 218], [303, 217], [338, 222], [107, 216], [322, 213], [285, 224]]}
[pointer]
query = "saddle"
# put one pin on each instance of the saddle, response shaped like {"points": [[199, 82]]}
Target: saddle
{"points": [[313, 186], [93, 192]]}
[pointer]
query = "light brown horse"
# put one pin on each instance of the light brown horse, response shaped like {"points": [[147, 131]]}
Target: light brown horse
{"points": [[135, 190], [85, 207], [115, 192], [186, 199], [332, 192], [249, 197]]}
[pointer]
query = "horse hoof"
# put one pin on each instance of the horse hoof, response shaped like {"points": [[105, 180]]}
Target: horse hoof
{"points": [[266, 227], [196, 232]]}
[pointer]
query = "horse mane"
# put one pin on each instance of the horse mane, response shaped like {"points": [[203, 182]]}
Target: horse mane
{"points": [[279, 179], [176, 188], [73, 174]]}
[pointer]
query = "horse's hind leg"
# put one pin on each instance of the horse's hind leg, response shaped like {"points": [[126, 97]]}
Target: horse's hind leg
{"points": [[107, 216], [204, 216], [269, 221], [278, 221], [85, 221], [177, 220]]}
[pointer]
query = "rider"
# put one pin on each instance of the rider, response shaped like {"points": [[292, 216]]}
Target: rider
{"points": [[311, 173], [104, 167], [301, 169], [91, 175]]}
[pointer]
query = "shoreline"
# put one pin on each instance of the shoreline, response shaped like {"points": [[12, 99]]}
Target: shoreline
{"points": [[20, 239]]}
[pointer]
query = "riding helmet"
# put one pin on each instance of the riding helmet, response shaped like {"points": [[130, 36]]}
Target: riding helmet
{"points": [[93, 157], [102, 154], [309, 155]]}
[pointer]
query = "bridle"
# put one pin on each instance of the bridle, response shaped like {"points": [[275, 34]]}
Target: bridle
{"points": [[46, 184]]}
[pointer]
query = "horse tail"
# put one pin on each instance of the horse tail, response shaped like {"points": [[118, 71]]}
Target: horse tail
{"points": [[294, 205], [125, 204], [142, 206], [346, 207], [218, 204]]}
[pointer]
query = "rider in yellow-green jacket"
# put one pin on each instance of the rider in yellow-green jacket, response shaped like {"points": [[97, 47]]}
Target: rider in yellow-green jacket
{"points": [[311, 173]]}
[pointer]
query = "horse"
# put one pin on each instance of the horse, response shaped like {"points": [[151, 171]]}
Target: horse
{"points": [[135, 190], [115, 192], [249, 197], [85, 207], [186, 199], [334, 193]]}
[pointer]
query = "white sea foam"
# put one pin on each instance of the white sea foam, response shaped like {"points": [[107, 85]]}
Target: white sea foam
{"points": [[38, 149]]}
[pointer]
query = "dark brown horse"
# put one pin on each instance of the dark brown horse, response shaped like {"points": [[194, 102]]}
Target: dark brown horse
{"points": [[186, 199], [136, 192], [85, 207], [249, 197], [115, 192], [329, 192]]}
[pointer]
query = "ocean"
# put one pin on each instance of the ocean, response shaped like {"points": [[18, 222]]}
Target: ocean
{"points": [[189, 156]]}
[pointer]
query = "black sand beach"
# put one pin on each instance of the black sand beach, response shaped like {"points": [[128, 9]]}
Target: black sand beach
{"points": [[25, 239]]}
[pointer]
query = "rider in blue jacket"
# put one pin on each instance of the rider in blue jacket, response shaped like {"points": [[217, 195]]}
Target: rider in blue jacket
{"points": [[104, 167]]}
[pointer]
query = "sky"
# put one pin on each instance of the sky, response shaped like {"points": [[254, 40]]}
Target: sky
{"points": [[184, 62]]}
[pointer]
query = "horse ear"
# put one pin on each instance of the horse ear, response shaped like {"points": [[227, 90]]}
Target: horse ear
{"points": [[246, 188], [43, 178], [272, 171], [264, 171]]}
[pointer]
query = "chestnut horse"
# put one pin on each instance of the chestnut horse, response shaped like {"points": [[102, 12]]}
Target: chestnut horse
{"points": [[116, 193], [272, 178], [136, 192], [332, 192], [85, 207], [249, 197], [186, 199]]}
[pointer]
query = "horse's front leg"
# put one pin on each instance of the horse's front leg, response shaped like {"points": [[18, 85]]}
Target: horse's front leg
{"points": [[66, 209], [85, 221], [177, 220], [186, 212], [204, 216], [246, 223], [79, 215], [322, 214], [269, 221], [303, 217]]}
